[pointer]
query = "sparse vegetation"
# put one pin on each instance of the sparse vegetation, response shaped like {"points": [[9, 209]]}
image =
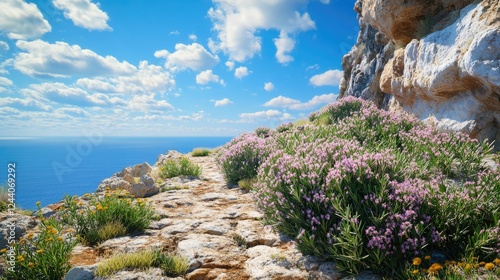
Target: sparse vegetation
{"points": [[247, 184], [43, 254], [174, 188], [114, 214], [240, 240], [173, 265], [200, 152], [4, 199], [177, 167]]}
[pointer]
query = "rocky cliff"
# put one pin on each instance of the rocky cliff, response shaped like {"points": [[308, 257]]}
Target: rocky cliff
{"points": [[437, 59]]}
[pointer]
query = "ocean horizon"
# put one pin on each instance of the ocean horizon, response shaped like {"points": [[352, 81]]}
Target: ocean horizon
{"points": [[48, 168]]}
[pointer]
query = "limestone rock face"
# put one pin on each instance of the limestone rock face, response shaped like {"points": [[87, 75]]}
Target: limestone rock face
{"points": [[137, 180], [440, 61]]}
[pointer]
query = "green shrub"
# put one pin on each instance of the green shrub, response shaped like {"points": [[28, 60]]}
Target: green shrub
{"points": [[200, 152], [173, 265], [373, 189], [177, 167], [4, 199], [262, 132], [44, 255], [247, 184], [106, 217], [240, 158]]}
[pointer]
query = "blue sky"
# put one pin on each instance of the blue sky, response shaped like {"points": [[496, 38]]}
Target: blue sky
{"points": [[168, 68]]}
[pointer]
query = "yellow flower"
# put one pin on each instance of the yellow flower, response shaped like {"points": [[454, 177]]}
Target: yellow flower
{"points": [[38, 203], [489, 266], [482, 263], [20, 258], [39, 251], [3, 250], [417, 261], [497, 262], [30, 235], [468, 266], [53, 231], [415, 271], [31, 265], [435, 267], [99, 207], [427, 257]]}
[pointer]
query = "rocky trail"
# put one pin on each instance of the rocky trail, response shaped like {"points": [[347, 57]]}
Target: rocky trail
{"points": [[217, 227]]}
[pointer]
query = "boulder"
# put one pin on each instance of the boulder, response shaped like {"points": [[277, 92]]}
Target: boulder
{"points": [[113, 183], [81, 273], [15, 226]]}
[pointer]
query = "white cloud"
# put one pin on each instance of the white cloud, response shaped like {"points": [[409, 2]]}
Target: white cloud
{"points": [[269, 114], [241, 72], [174, 32], [24, 104], [193, 37], [293, 104], [326, 2], [194, 57], [329, 78], [43, 59], [269, 86], [83, 13], [223, 102], [312, 67], [148, 78], [5, 82], [206, 77], [237, 23], [4, 46], [230, 65], [21, 20], [64, 94], [284, 45], [71, 112], [146, 103]]}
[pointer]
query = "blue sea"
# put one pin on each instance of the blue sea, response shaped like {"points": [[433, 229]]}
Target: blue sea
{"points": [[48, 168]]}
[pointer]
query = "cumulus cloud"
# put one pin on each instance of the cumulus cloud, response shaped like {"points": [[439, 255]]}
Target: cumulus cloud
{"points": [[194, 57], [223, 102], [326, 2], [193, 37], [230, 65], [269, 86], [41, 59], [241, 72], [83, 13], [237, 23], [24, 104], [206, 77], [269, 114], [21, 20], [284, 45], [293, 104], [5, 82], [64, 94], [148, 78], [329, 78], [146, 103]]}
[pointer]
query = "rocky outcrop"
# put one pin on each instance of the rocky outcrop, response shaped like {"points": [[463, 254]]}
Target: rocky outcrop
{"points": [[439, 60], [137, 180]]}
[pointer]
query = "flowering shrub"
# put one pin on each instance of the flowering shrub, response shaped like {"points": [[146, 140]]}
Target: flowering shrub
{"points": [[106, 217], [262, 131], [44, 255], [240, 158], [372, 188]]}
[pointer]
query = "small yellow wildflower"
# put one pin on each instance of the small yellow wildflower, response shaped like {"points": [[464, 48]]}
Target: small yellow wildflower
{"points": [[60, 238], [31, 265], [497, 262], [39, 251], [20, 258], [482, 263], [53, 231], [99, 207], [468, 266], [435, 267], [38, 203], [3, 250], [417, 261], [489, 266], [415, 271], [427, 257], [30, 236]]}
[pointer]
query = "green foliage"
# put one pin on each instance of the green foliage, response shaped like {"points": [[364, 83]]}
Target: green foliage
{"points": [[200, 152], [4, 199], [136, 260], [177, 167], [262, 131], [114, 214], [370, 189], [247, 184], [44, 255], [172, 265]]}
